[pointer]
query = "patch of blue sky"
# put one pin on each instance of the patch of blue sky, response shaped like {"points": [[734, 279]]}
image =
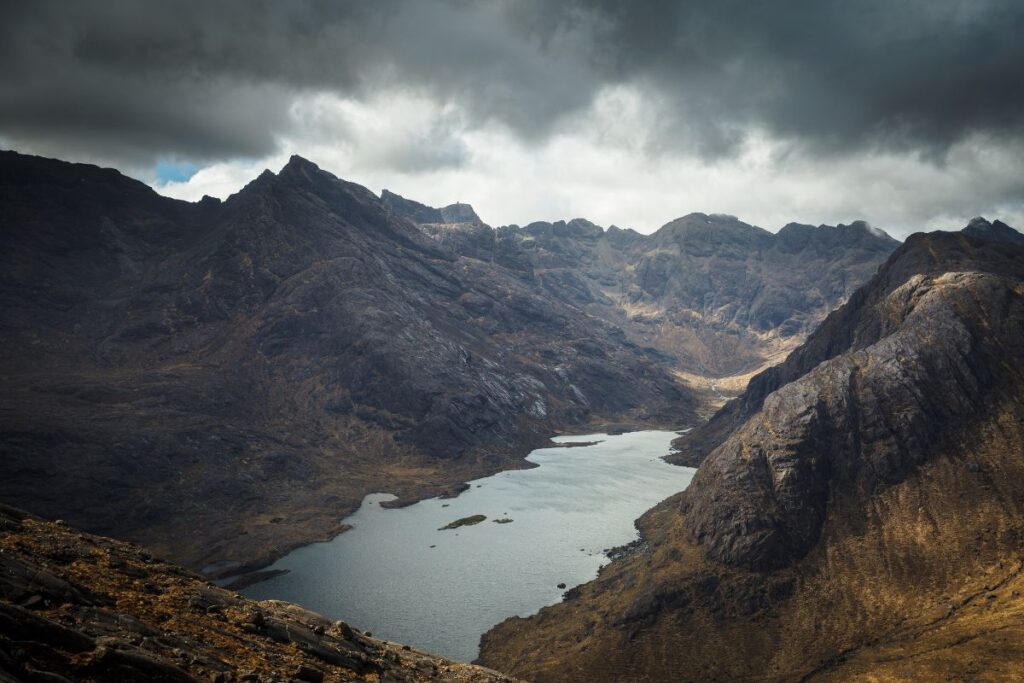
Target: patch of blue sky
{"points": [[171, 171]]}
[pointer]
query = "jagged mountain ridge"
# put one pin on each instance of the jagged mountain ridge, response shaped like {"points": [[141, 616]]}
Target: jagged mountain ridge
{"points": [[225, 380], [719, 296], [864, 519], [994, 230], [79, 607]]}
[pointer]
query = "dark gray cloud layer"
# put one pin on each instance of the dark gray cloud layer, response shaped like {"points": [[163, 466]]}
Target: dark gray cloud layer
{"points": [[212, 80], [836, 73]]}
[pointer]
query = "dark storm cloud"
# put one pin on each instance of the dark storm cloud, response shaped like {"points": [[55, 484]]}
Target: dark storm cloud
{"points": [[210, 80], [834, 73], [200, 79]]}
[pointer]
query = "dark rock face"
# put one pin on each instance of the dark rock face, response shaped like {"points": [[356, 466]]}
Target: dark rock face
{"points": [[741, 281], [920, 360], [423, 214], [455, 226], [194, 372], [80, 607]]}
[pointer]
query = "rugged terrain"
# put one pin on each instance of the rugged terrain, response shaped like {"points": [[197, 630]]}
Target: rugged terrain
{"points": [[860, 517], [87, 608], [718, 297], [223, 381]]}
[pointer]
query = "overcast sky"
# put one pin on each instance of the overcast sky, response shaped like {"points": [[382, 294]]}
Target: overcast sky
{"points": [[907, 114]]}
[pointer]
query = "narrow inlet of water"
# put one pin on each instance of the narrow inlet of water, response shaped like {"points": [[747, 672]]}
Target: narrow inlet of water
{"points": [[397, 574]]}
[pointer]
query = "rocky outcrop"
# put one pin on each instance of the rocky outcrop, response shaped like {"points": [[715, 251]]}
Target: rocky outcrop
{"points": [[75, 607], [863, 520], [421, 214], [223, 381], [455, 226]]}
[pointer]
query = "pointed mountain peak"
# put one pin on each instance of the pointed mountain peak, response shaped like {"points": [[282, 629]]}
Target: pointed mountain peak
{"points": [[297, 163], [992, 230], [301, 169], [258, 184], [302, 176], [300, 172]]}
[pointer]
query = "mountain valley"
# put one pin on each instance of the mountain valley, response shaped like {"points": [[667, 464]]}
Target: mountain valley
{"points": [[860, 516], [224, 381], [719, 378]]}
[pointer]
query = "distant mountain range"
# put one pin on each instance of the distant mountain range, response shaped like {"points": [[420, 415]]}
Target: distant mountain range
{"points": [[859, 511], [719, 297]]}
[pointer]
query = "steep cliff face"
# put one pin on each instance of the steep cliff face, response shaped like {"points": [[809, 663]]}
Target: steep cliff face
{"points": [[922, 360], [226, 380], [865, 518], [87, 608]]}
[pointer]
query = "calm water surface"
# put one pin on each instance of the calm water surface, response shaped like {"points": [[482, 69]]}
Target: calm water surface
{"points": [[397, 575]]}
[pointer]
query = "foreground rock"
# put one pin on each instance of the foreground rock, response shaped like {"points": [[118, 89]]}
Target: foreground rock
{"points": [[80, 607], [863, 520]]}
